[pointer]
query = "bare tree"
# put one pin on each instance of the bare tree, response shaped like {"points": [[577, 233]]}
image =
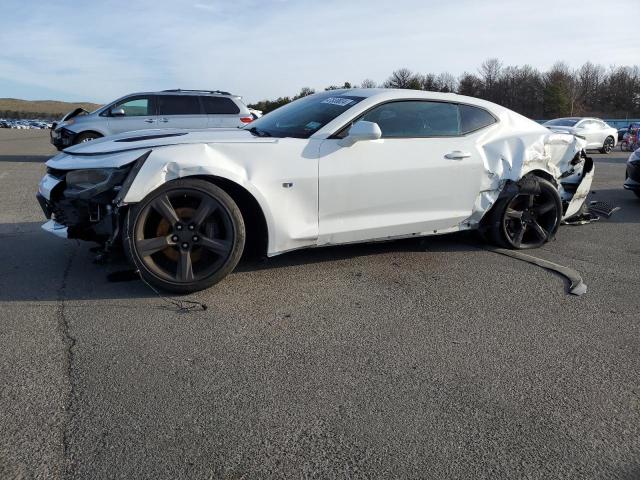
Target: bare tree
{"points": [[304, 92], [490, 72], [470, 85], [403, 78], [368, 83], [447, 82]]}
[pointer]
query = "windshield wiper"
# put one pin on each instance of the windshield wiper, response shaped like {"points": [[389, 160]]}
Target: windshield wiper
{"points": [[259, 133]]}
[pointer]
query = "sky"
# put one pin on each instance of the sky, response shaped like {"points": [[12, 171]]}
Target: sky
{"points": [[98, 50]]}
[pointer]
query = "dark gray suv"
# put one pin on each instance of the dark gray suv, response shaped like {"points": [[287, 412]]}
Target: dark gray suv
{"points": [[192, 109]]}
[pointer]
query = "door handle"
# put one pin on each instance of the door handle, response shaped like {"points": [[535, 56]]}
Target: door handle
{"points": [[457, 155], [164, 120], [149, 120]]}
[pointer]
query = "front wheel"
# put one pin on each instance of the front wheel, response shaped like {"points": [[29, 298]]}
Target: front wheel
{"points": [[186, 236], [86, 137], [528, 217], [607, 146]]}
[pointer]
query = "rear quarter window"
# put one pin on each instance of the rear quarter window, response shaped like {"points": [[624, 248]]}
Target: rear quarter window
{"points": [[474, 118], [219, 105]]}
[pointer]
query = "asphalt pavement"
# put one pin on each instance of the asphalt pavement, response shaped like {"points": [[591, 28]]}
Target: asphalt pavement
{"points": [[429, 358]]}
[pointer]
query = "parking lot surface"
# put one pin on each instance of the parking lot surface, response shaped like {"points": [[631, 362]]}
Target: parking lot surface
{"points": [[429, 358]]}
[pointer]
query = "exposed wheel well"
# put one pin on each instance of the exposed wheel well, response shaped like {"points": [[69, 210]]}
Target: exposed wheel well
{"points": [[255, 223], [542, 174]]}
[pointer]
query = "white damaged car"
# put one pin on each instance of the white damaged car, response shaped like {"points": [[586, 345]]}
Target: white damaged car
{"points": [[336, 167]]}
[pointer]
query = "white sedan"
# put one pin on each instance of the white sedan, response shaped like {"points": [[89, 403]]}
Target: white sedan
{"points": [[336, 167], [597, 133]]}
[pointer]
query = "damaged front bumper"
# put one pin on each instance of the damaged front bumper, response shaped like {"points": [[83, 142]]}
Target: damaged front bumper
{"points": [[85, 204]]}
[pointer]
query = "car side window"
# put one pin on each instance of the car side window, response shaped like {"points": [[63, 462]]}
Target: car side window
{"points": [[135, 107], [415, 119], [219, 105], [474, 118], [178, 105]]}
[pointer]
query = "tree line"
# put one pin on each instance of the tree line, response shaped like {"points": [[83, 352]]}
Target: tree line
{"points": [[590, 90]]}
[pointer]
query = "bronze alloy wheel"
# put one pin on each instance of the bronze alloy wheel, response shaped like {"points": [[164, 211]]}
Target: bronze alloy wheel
{"points": [[531, 219], [186, 236]]}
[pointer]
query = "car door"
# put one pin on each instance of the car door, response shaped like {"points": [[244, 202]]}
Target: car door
{"points": [[180, 111], [132, 113], [589, 130], [422, 176]]}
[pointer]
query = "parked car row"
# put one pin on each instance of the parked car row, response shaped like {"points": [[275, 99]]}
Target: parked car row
{"points": [[24, 124]]}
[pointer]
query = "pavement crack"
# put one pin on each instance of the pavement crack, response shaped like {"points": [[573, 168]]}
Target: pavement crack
{"points": [[69, 342]]}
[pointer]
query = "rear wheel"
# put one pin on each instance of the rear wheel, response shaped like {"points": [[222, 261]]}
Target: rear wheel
{"points": [[528, 217], [607, 146], [185, 236], [86, 137]]}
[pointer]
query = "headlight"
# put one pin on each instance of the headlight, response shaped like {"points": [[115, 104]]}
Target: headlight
{"points": [[71, 121], [88, 178], [91, 182]]}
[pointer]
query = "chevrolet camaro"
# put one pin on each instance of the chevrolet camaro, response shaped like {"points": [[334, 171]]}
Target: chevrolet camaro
{"points": [[336, 167]]}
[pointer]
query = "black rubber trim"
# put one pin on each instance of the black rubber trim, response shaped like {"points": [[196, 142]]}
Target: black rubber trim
{"points": [[576, 287], [126, 185], [150, 137]]}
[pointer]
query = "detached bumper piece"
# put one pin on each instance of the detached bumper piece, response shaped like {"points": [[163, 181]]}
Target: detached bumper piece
{"points": [[56, 229]]}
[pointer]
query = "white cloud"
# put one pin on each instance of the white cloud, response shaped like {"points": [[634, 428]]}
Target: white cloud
{"points": [[264, 49]]}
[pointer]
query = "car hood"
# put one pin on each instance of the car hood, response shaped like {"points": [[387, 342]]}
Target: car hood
{"points": [[121, 149], [73, 113]]}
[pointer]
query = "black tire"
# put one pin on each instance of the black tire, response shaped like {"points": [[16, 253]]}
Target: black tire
{"points": [[608, 145], [185, 236], [86, 137], [526, 217]]}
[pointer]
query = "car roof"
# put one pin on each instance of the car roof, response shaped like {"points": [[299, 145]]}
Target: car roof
{"points": [[384, 94], [177, 91]]}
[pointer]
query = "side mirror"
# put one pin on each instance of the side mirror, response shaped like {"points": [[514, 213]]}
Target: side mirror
{"points": [[361, 130], [117, 112]]}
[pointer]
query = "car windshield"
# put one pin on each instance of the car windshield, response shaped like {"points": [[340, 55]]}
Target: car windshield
{"points": [[562, 122], [303, 117]]}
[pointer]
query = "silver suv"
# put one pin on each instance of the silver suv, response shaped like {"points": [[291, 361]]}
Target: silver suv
{"points": [[190, 109]]}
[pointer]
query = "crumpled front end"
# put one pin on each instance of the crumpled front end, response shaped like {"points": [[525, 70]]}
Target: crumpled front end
{"points": [[559, 157], [83, 203]]}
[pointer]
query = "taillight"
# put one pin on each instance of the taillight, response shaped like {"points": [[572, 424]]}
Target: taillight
{"points": [[246, 119]]}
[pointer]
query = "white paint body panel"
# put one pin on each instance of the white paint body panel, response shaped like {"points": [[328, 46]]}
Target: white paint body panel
{"points": [[316, 192]]}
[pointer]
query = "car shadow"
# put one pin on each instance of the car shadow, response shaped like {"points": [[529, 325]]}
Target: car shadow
{"points": [[453, 242], [38, 266]]}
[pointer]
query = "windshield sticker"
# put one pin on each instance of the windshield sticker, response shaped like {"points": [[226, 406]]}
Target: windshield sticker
{"points": [[312, 125], [341, 102]]}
